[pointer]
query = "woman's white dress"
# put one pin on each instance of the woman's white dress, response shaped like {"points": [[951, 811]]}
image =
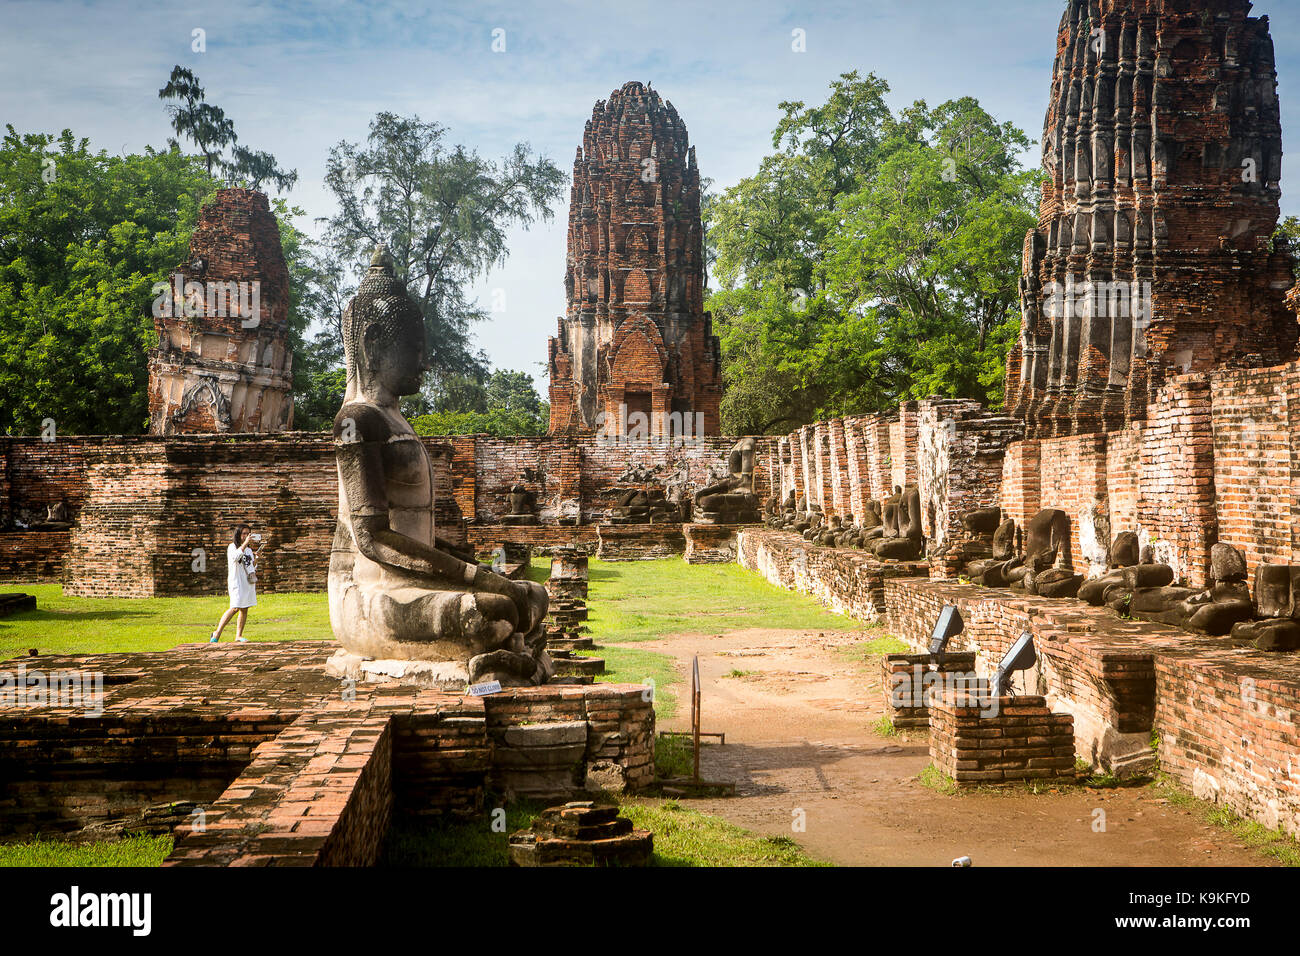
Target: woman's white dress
{"points": [[239, 562]]}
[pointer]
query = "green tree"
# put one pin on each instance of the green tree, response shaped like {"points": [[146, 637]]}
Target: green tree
{"points": [[512, 392], [924, 270], [497, 422], [502, 403], [443, 212], [465, 392], [83, 238], [209, 129], [871, 259], [1288, 233]]}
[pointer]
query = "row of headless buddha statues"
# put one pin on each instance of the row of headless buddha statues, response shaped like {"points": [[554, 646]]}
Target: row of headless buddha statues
{"points": [[1135, 585], [727, 500], [890, 529]]}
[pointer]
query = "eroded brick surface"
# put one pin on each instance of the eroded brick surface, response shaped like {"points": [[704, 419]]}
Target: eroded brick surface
{"points": [[290, 767], [215, 368], [635, 338]]}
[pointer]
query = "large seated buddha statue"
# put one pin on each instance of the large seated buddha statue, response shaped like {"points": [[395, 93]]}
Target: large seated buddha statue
{"points": [[396, 590]]}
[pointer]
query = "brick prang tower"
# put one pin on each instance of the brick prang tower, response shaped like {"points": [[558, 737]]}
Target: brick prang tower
{"points": [[215, 369], [635, 340], [1163, 150]]}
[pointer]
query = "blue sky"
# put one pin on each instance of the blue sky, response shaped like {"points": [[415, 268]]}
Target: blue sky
{"points": [[297, 77]]}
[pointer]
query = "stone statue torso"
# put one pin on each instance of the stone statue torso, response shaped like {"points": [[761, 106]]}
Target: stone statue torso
{"points": [[408, 480]]}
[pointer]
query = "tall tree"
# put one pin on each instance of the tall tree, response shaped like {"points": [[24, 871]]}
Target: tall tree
{"points": [[208, 127], [1288, 235], [443, 212], [871, 259], [83, 238]]}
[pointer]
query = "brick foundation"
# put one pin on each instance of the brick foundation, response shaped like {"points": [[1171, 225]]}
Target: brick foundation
{"points": [[711, 543], [983, 742], [906, 685], [291, 767], [639, 542]]}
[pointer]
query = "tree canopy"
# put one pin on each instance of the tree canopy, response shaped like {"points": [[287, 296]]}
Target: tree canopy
{"points": [[873, 258], [443, 211], [83, 238], [212, 132]]}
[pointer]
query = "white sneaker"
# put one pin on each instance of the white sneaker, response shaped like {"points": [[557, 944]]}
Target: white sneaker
{"points": [[242, 640]]}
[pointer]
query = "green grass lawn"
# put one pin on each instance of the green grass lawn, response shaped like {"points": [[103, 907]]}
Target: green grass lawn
{"points": [[682, 837], [73, 625], [632, 601], [131, 851], [644, 600]]}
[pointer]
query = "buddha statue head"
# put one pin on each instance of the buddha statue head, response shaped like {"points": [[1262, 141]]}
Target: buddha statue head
{"points": [[383, 337]]}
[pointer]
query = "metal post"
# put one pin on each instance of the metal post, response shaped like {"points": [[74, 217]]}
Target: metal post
{"points": [[695, 712]]}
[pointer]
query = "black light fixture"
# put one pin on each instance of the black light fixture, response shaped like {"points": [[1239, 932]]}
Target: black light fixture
{"points": [[1021, 657], [948, 626]]}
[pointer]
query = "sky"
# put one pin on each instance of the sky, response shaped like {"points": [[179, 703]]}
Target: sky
{"points": [[297, 78]]}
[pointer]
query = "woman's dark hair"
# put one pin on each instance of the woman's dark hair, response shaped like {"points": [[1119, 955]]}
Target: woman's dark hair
{"points": [[240, 531]]}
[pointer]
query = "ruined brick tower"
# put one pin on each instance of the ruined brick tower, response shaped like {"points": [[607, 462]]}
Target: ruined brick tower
{"points": [[222, 363], [635, 345], [1153, 254]]}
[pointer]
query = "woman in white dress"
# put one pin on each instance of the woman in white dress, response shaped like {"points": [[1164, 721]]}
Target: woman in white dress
{"points": [[241, 581]]}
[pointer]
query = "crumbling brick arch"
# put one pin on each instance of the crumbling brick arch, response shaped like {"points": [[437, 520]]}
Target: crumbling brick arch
{"points": [[638, 355], [638, 286], [198, 397]]}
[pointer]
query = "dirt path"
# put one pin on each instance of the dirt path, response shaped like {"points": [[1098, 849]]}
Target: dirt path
{"points": [[799, 738]]}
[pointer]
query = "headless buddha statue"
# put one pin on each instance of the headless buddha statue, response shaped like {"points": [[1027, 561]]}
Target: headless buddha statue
{"points": [[732, 499], [397, 590]]}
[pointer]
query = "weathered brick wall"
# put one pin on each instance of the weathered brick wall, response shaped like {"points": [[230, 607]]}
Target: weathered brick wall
{"points": [[902, 447], [58, 776], [159, 514], [39, 473], [1228, 732], [875, 434], [33, 555], [1124, 477], [1225, 715], [849, 582], [639, 542], [1020, 492], [1156, 478], [960, 452], [710, 543], [1072, 477], [144, 504], [1176, 508], [1255, 461]]}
